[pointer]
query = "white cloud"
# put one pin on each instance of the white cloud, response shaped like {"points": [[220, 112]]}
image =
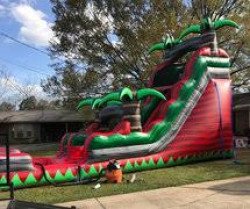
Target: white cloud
{"points": [[2, 7], [35, 29], [2, 10]]}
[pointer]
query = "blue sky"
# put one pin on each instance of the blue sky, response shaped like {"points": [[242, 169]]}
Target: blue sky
{"points": [[28, 21]]}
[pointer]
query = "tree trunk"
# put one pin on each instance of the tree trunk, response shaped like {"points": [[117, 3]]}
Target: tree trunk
{"points": [[132, 113]]}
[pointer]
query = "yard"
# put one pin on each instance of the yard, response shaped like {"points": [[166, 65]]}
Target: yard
{"points": [[168, 177]]}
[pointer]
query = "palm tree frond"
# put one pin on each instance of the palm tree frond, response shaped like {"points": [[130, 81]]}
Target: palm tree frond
{"points": [[114, 96], [96, 103], [85, 102], [168, 42], [190, 30], [126, 93], [156, 47], [143, 93], [221, 23]]}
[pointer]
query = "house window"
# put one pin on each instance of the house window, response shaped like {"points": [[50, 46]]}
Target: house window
{"points": [[29, 134], [19, 134], [12, 134]]}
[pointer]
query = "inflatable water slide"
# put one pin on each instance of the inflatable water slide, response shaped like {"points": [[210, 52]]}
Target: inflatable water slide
{"points": [[183, 116]]}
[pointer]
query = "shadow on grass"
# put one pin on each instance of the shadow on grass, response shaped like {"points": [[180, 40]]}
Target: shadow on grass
{"points": [[242, 165]]}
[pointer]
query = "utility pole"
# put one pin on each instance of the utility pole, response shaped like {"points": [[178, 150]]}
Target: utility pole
{"points": [[8, 183]]}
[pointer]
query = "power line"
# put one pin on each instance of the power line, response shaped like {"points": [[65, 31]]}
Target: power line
{"points": [[27, 45], [16, 87], [25, 67], [32, 47], [22, 43]]}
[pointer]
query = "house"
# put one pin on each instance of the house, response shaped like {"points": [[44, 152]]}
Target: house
{"points": [[241, 114], [41, 126]]}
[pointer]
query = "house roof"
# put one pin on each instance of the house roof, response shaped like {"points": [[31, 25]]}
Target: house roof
{"points": [[42, 116], [241, 101]]}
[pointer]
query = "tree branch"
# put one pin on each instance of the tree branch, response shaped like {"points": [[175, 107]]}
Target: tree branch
{"points": [[240, 69], [236, 54]]}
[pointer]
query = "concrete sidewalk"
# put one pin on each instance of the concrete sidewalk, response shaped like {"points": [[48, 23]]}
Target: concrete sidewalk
{"points": [[228, 194]]}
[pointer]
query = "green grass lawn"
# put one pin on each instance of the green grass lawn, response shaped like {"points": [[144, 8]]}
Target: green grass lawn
{"points": [[174, 176]]}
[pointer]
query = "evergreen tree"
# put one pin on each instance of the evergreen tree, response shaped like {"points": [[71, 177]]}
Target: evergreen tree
{"points": [[28, 103], [6, 106]]}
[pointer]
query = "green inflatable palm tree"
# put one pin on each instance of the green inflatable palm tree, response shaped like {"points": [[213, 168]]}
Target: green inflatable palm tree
{"points": [[89, 103], [85, 103], [167, 43], [207, 25], [131, 101], [126, 95]]}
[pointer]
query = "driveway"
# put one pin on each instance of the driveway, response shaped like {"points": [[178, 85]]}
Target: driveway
{"points": [[223, 194], [231, 193]]}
